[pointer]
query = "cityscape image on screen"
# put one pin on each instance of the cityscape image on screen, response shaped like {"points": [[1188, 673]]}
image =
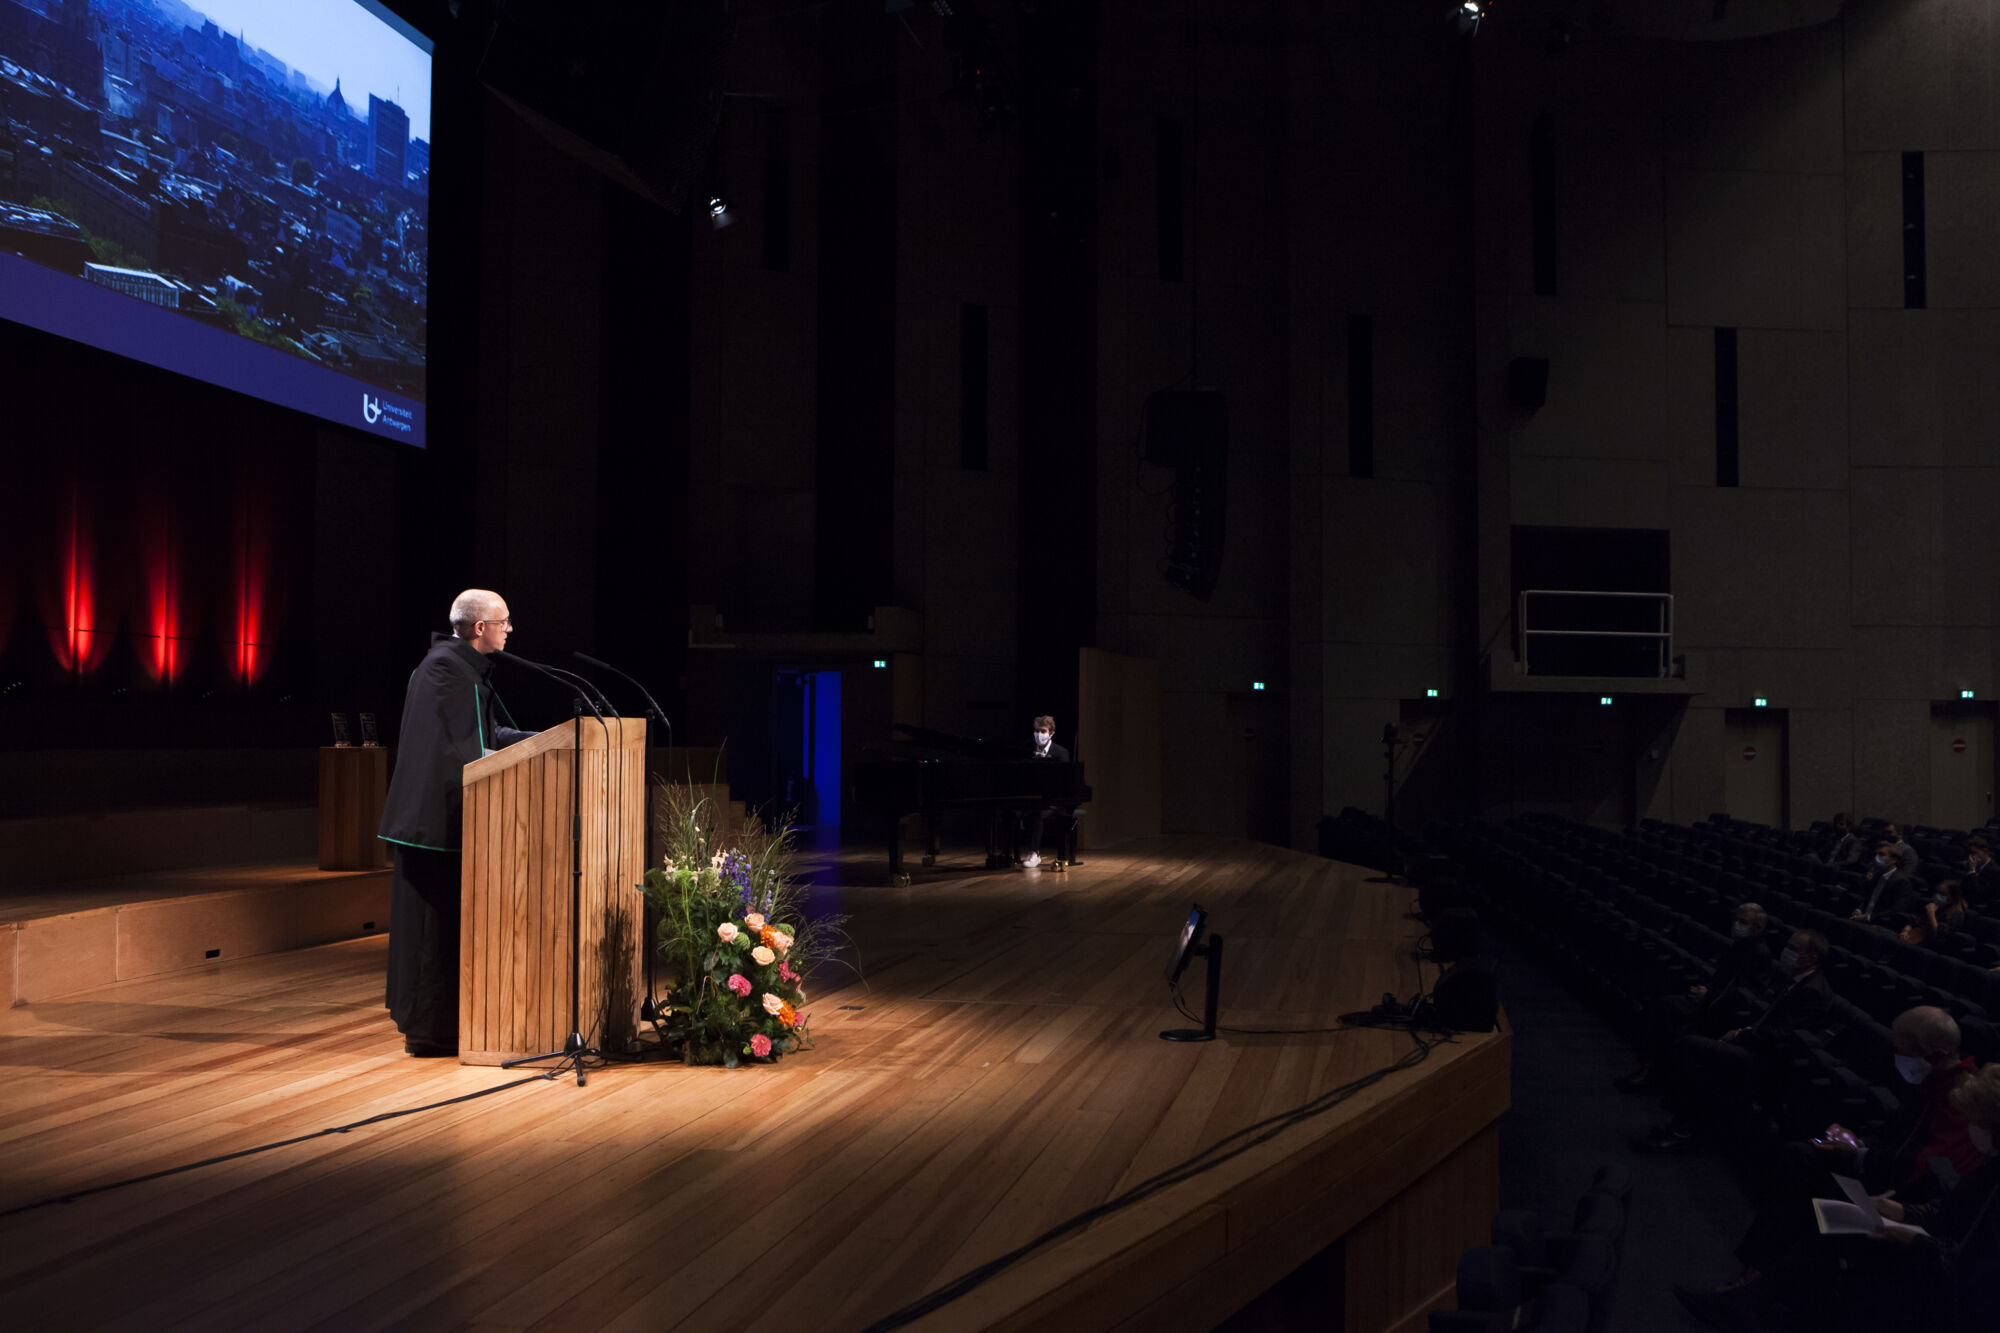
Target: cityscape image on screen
{"points": [[234, 190]]}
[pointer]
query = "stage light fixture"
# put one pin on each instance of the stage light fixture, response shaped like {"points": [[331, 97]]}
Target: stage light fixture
{"points": [[719, 215]]}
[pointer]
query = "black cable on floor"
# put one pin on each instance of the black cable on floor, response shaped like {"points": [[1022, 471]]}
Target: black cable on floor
{"points": [[1204, 1161], [74, 1195]]}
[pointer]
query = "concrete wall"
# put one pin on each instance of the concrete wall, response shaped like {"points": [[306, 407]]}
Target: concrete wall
{"points": [[1756, 185]]}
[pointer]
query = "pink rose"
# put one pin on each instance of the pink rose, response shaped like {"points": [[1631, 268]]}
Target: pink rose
{"points": [[726, 931], [754, 920], [739, 984], [763, 956], [760, 1045], [785, 972], [772, 1003]]}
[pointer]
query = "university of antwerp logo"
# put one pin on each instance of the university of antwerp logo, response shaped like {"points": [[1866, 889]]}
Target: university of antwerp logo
{"points": [[371, 408]]}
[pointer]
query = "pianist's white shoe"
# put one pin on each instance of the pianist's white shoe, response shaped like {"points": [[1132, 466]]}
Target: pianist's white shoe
{"points": [[1034, 859]]}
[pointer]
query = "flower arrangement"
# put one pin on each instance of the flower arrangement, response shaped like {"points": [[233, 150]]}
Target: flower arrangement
{"points": [[733, 937]]}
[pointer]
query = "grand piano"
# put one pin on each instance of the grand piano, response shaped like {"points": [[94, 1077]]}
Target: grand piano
{"points": [[930, 772]]}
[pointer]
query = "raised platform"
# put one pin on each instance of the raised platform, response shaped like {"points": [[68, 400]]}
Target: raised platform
{"points": [[86, 934], [997, 1073]]}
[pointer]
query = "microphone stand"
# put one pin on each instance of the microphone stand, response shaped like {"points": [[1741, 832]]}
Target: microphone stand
{"points": [[649, 1012], [574, 1051]]}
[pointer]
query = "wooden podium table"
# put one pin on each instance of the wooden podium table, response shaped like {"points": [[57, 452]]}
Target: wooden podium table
{"points": [[518, 952], [353, 780]]}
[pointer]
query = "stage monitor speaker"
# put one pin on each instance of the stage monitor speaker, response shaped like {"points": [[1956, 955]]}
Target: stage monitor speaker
{"points": [[631, 87], [1528, 382]]}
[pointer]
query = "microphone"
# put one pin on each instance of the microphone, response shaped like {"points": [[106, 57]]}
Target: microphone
{"points": [[557, 676], [653, 708]]}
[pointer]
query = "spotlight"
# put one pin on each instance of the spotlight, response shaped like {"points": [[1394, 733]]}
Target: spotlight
{"points": [[1469, 14], [719, 215]]}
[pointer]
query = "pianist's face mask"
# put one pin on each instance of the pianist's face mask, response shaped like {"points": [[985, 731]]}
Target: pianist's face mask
{"points": [[1042, 739]]}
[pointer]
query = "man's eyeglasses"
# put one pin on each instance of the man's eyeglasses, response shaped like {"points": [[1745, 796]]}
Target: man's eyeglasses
{"points": [[503, 624]]}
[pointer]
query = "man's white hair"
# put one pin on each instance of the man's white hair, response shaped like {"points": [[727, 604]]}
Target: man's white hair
{"points": [[469, 608]]}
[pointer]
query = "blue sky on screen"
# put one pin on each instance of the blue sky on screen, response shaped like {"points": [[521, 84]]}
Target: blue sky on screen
{"points": [[328, 39]]}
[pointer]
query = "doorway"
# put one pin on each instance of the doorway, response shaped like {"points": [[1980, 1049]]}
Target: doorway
{"points": [[1962, 765], [1754, 777], [806, 743]]}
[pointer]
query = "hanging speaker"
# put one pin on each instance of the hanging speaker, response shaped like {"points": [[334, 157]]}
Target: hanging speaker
{"points": [[1528, 382], [1188, 430]]}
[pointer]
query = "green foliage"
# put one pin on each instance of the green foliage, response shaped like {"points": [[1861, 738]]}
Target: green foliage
{"points": [[721, 904]]}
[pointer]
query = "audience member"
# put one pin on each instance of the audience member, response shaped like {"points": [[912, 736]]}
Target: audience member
{"points": [[1982, 875], [1927, 1129], [1892, 886], [1849, 845], [1934, 1264], [1707, 1008], [1911, 930], [1892, 833], [1947, 913], [1709, 1076]]}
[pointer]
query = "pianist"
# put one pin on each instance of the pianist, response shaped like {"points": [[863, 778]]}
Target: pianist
{"points": [[1045, 747]]}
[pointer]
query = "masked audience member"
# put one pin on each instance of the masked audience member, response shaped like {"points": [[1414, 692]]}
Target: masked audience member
{"points": [[1709, 1007], [1707, 1077]]}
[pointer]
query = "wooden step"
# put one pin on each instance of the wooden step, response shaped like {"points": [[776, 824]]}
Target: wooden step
{"points": [[74, 937]]}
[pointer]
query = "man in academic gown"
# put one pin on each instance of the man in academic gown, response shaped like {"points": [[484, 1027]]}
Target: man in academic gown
{"points": [[451, 716]]}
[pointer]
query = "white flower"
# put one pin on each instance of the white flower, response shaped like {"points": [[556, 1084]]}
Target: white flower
{"points": [[772, 1004], [726, 931], [763, 956]]}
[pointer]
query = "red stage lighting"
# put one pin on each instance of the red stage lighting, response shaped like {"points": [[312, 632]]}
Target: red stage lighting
{"points": [[253, 562], [73, 629]]}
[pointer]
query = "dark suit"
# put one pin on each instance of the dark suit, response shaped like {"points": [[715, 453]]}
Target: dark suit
{"points": [[451, 716], [1065, 824], [1893, 892], [1711, 1076], [1982, 887], [1744, 966]]}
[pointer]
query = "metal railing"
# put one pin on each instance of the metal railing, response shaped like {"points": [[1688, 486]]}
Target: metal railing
{"points": [[1664, 635]]}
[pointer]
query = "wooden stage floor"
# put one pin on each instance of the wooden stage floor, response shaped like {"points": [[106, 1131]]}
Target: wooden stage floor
{"points": [[997, 1072]]}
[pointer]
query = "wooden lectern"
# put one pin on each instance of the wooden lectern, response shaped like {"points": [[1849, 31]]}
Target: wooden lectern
{"points": [[516, 951]]}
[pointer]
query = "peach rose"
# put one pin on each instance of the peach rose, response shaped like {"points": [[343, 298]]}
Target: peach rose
{"points": [[773, 1004], [754, 920], [764, 957], [726, 931], [780, 941]]}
